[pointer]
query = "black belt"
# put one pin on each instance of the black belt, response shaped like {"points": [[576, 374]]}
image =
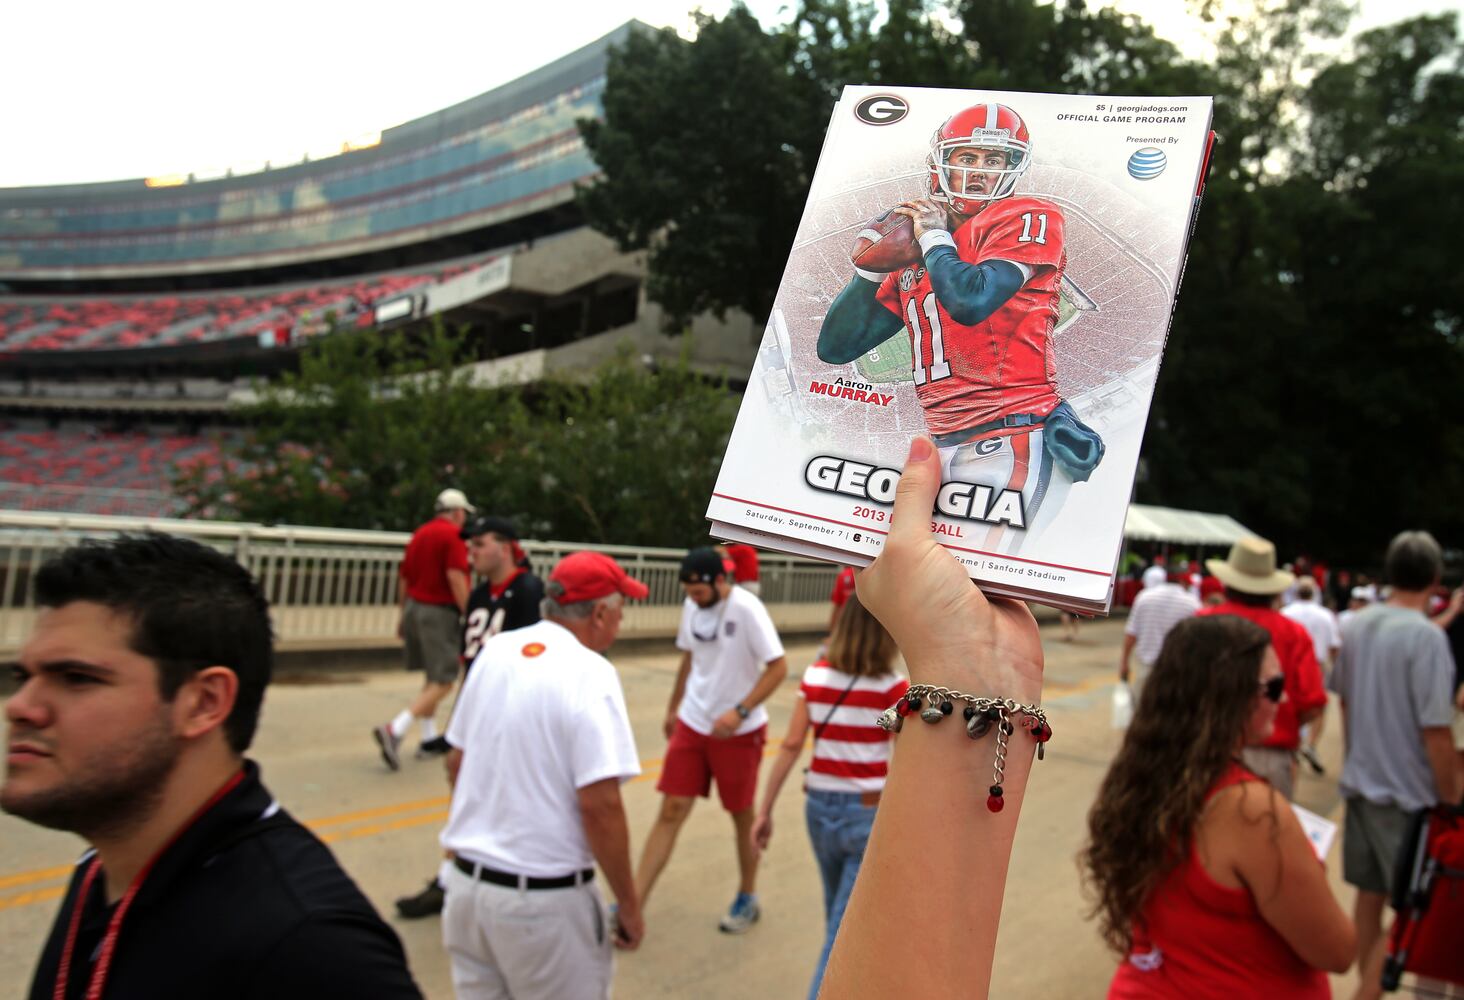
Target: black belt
{"points": [[1004, 423], [485, 874]]}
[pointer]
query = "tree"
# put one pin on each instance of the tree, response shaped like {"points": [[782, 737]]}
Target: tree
{"points": [[373, 426], [707, 150], [1317, 334], [707, 147]]}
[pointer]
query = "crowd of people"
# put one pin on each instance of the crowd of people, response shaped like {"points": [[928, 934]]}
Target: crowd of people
{"points": [[141, 686], [1224, 889]]}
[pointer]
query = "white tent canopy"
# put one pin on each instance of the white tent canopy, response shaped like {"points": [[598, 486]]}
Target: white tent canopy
{"points": [[1183, 527]]}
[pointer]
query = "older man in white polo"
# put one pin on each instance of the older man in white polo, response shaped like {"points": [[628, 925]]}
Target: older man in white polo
{"points": [[540, 745]]}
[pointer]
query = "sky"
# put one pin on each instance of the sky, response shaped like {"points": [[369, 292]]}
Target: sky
{"points": [[95, 90]]}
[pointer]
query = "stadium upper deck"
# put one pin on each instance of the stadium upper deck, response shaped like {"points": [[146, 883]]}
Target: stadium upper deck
{"points": [[509, 153]]}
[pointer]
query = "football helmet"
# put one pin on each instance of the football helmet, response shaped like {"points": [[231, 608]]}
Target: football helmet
{"points": [[984, 126]]}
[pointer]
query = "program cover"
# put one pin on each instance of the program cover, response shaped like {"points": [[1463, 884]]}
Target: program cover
{"points": [[1015, 310]]}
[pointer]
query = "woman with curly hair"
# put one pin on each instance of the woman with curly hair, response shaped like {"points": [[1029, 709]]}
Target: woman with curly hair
{"points": [[1203, 877]]}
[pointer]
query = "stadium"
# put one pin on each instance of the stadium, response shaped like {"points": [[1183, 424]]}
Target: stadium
{"points": [[135, 315]]}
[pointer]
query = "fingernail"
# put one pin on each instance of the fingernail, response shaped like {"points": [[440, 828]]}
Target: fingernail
{"points": [[920, 449]]}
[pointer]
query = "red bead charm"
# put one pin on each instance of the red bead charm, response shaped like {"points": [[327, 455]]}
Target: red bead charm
{"points": [[1042, 733], [995, 803], [904, 707]]}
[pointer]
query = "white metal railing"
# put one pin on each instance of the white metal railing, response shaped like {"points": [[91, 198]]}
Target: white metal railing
{"points": [[332, 588]]}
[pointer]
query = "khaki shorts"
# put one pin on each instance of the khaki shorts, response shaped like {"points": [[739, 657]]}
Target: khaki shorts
{"points": [[1372, 835], [1277, 766], [432, 639]]}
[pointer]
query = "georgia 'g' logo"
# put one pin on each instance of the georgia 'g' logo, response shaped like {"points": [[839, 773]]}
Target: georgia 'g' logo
{"points": [[881, 109]]}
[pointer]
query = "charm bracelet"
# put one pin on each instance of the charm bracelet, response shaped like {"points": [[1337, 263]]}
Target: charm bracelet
{"points": [[981, 714]]}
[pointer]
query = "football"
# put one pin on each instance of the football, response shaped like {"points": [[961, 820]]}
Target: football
{"points": [[886, 243]]}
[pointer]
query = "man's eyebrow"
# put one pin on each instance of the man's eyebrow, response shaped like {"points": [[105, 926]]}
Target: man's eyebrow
{"points": [[67, 665]]}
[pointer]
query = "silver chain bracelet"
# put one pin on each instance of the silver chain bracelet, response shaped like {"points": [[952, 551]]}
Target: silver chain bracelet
{"points": [[981, 714]]}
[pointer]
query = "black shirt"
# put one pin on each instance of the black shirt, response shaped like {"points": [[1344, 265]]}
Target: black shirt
{"points": [[518, 599], [246, 905]]}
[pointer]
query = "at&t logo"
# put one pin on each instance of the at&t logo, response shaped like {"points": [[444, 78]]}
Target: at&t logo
{"points": [[1147, 163]]}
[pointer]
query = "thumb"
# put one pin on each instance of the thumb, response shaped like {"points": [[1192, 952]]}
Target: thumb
{"points": [[915, 495]]}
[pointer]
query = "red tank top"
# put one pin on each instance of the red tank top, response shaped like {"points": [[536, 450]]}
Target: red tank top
{"points": [[1201, 939]]}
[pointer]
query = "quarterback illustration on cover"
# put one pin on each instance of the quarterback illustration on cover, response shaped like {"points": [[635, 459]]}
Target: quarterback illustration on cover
{"points": [[975, 284]]}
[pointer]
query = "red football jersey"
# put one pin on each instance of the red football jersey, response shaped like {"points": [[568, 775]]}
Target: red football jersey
{"points": [[970, 375]]}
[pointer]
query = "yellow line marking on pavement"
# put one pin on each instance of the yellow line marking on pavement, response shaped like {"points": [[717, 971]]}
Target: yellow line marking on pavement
{"points": [[436, 801], [39, 875], [34, 896]]}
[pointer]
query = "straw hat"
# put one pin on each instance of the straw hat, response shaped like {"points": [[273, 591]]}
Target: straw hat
{"points": [[1251, 568]]}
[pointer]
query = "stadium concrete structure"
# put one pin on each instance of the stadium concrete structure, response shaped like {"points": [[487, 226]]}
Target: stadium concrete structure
{"points": [[135, 315]]}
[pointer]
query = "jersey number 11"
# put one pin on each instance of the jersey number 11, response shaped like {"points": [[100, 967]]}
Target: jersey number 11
{"points": [[938, 368]]}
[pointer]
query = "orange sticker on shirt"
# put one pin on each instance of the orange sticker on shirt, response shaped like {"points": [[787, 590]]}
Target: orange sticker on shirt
{"points": [[533, 649]]}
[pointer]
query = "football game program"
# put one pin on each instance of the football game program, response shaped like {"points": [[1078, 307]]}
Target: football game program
{"points": [[996, 270]]}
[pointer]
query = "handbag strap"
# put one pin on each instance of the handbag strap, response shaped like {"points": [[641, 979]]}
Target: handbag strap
{"points": [[820, 727]]}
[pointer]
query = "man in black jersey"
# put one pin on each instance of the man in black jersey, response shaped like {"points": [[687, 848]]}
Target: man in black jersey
{"points": [[507, 598]]}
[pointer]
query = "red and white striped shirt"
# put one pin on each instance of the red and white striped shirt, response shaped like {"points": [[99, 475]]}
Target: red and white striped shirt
{"points": [[850, 752]]}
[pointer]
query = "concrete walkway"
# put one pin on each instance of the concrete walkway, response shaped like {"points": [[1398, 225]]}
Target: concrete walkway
{"points": [[318, 758]]}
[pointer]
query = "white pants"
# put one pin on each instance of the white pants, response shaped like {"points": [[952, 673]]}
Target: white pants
{"points": [[539, 944], [1016, 462]]}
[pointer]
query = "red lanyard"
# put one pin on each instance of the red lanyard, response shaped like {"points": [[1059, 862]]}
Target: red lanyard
{"points": [[114, 926]]}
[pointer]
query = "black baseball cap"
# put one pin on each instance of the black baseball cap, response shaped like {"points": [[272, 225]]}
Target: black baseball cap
{"points": [[500, 526], [702, 566]]}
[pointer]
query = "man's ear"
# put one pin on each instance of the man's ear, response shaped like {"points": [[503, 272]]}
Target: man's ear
{"points": [[205, 702]]}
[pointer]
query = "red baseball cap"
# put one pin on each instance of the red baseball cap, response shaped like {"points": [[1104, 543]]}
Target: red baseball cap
{"points": [[589, 576]]}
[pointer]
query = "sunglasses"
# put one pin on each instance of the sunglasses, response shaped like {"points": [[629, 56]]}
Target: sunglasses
{"points": [[1274, 688]]}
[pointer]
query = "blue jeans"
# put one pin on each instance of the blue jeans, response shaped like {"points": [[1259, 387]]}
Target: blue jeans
{"points": [[838, 827]]}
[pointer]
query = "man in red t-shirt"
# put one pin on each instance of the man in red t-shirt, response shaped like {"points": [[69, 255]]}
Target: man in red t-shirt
{"points": [[433, 596], [1252, 587]]}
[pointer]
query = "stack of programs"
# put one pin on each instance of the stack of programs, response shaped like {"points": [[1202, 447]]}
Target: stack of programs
{"points": [[997, 271]]}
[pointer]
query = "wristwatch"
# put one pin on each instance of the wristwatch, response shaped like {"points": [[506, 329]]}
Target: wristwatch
{"points": [[742, 710]]}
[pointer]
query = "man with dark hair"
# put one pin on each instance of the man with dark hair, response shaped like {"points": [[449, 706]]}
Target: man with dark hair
{"points": [[1253, 585], [1395, 679], [140, 689], [732, 661]]}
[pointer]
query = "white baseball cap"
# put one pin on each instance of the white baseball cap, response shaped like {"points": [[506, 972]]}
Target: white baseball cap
{"points": [[451, 499]]}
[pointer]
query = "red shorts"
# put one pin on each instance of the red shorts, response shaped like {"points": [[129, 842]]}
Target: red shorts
{"points": [[693, 760]]}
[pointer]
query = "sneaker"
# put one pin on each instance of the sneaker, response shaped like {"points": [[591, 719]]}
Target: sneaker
{"points": [[389, 744], [427, 903], [742, 916], [1309, 754], [435, 747]]}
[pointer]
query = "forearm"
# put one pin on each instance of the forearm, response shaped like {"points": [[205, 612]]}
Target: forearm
{"points": [[1310, 715], [767, 683], [933, 826], [457, 582], [970, 293], [782, 765], [1438, 743], [608, 835], [1128, 648], [679, 688], [454, 763], [855, 323], [401, 590]]}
